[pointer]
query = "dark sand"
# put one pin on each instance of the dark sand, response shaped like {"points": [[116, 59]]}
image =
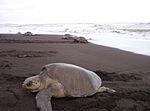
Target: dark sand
{"points": [[23, 56]]}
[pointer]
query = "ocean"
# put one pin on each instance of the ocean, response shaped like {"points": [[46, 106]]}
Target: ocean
{"points": [[132, 37]]}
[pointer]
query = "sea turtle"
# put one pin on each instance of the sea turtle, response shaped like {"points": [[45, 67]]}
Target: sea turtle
{"points": [[68, 37], [28, 34], [63, 80], [80, 40]]}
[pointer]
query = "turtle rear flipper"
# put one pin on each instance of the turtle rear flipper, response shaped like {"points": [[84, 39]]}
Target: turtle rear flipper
{"points": [[43, 100], [106, 89]]}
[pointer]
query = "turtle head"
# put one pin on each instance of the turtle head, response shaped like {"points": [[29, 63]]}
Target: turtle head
{"points": [[32, 83]]}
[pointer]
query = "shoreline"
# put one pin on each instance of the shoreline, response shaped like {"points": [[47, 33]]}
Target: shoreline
{"points": [[23, 56], [132, 37], [133, 50]]}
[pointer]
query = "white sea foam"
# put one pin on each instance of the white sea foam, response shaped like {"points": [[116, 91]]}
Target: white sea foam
{"points": [[130, 37]]}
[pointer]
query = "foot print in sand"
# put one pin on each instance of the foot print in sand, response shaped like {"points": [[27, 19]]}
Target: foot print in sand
{"points": [[24, 54]]}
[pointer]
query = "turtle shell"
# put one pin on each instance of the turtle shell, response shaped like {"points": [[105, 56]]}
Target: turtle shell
{"points": [[77, 81]]}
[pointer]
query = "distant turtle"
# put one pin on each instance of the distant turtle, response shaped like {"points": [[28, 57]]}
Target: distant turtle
{"points": [[63, 80], [28, 34], [68, 37], [80, 40], [19, 33]]}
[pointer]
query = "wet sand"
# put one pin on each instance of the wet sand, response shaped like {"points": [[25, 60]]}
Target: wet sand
{"points": [[23, 56]]}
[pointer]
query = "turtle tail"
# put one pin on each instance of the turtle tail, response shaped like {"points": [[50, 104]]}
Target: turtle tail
{"points": [[106, 89]]}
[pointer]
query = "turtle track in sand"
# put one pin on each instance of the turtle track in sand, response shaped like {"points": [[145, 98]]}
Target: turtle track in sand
{"points": [[113, 76], [24, 54], [35, 41]]}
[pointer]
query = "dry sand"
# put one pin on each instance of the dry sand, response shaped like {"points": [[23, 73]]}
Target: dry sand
{"points": [[23, 56]]}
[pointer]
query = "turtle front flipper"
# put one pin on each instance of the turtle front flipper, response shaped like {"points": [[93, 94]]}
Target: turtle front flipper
{"points": [[43, 100]]}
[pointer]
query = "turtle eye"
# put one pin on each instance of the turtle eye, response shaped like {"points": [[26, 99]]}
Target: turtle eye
{"points": [[29, 83]]}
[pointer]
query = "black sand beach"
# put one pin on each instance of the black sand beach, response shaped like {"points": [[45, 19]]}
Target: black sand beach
{"points": [[23, 56]]}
